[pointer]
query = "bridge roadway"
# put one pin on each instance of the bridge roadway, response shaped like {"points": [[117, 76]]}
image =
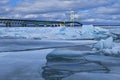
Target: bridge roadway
{"points": [[36, 23]]}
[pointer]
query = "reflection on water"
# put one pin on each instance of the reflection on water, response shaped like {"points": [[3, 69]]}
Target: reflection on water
{"points": [[63, 63]]}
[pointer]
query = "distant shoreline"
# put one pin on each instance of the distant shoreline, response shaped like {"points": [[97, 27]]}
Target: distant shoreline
{"points": [[106, 25]]}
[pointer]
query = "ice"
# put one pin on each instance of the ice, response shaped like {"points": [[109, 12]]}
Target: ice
{"points": [[65, 64], [104, 44], [84, 32], [115, 51], [108, 47], [93, 76], [45, 54], [40, 33], [22, 65], [13, 45], [63, 33], [88, 31]]}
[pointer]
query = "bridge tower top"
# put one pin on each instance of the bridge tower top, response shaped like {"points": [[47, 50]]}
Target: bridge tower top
{"points": [[72, 16]]}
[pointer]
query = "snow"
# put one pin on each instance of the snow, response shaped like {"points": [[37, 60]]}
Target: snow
{"points": [[86, 32]]}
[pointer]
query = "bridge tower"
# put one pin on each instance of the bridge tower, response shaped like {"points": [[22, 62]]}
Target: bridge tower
{"points": [[72, 16], [79, 18]]}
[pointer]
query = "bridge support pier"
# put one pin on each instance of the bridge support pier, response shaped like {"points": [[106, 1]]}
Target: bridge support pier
{"points": [[36, 24], [24, 25], [8, 24]]}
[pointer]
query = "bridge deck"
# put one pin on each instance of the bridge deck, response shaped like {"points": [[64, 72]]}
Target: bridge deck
{"points": [[24, 23]]}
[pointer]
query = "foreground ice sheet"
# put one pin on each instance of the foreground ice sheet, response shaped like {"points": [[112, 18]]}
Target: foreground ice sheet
{"points": [[64, 64], [22, 65], [15, 45]]}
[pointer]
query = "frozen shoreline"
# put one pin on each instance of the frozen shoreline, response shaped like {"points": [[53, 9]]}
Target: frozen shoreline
{"points": [[58, 33]]}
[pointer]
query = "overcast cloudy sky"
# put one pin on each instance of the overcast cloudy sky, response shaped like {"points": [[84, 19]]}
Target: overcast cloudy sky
{"points": [[86, 11]]}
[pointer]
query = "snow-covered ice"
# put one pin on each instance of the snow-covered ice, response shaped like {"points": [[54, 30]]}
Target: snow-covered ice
{"points": [[41, 33], [86, 32]]}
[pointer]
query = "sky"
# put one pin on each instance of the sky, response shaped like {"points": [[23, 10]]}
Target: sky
{"points": [[86, 11]]}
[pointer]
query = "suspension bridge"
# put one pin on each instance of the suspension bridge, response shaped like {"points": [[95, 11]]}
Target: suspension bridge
{"points": [[35, 23]]}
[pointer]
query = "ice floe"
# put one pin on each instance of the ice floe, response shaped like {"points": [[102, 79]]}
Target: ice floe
{"points": [[104, 44], [114, 51], [108, 47], [88, 31]]}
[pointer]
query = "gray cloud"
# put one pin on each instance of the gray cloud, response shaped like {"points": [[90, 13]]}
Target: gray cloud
{"points": [[41, 6], [89, 11], [4, 1]]}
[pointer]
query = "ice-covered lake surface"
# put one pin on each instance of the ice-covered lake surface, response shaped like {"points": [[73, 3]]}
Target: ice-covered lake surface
{"points": [[60, 53], [54, 33]]}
